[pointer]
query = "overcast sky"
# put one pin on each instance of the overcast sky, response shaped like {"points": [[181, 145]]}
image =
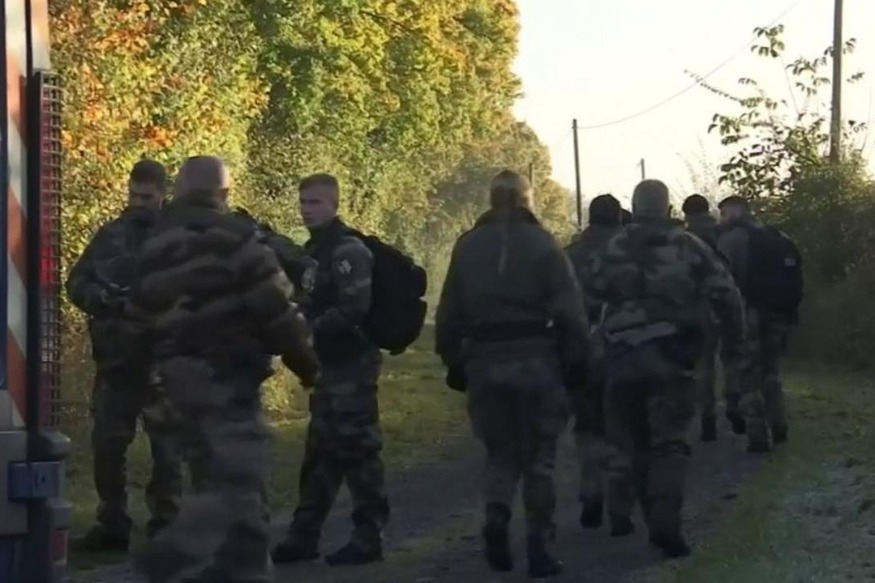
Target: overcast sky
{"points": [[604, 60]]}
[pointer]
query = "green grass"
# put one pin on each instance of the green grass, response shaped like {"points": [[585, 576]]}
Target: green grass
{"points": [[809, 514], [417, 413]]}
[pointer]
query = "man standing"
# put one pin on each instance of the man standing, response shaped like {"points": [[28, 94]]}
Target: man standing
{"points": [[594, 453], [653, 277], [697, 215], [98, 285], [211, 301], [511, 320], [343, 439], [768, 269]]}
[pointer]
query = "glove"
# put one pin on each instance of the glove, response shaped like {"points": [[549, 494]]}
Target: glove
{"points": [[456, 378]]}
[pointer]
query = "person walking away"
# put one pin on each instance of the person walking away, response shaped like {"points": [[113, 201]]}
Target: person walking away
{"points": [[212, 300], [511, 328], [653, 277], [344, 440], [594, 453], [768, 268], [98, 285], [700, 222]]}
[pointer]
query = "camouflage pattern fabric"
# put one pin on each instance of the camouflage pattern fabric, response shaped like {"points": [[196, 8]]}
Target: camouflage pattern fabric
{"points": [[706, 370], [117, 403], [211, 355], [653, 278], [518, 410], [344, 440], [508, 278]]}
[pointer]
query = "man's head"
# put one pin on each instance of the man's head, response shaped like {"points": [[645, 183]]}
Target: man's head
{"points": [[510, 190], [696, 204], [733, 207], [605, 210], [147, 184], [320, 199], [204, 177], [650, 200]]}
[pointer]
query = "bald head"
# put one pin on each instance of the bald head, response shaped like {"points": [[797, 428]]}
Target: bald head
{"points": [[203, 176], [510, 190], [650, 200]]}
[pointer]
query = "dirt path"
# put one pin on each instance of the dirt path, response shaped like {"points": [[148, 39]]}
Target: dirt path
{"points": [[433, 535]]}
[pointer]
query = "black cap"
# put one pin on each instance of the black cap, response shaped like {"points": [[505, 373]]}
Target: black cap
{"points": [[604, 210], [696, 204]]}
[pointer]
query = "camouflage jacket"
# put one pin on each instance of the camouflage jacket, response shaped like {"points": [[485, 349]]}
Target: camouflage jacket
{"points": [[580, 252], [99, 281], [508, 277], [341, 297], [207, 288], [654, 278]]}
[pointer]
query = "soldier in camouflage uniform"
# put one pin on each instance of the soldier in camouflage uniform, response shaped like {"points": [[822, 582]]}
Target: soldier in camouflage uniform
{"points": [[121, 390], [344, 440], [653, 277], [700, 222], [212, 300], [593, 451], [511, 321], [755, 397]]}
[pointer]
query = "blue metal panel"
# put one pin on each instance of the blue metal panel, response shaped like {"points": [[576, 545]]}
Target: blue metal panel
{"points": [[34, 481]]}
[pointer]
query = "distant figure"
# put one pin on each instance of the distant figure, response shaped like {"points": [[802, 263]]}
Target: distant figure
{"points": [[700, 222], [589, 428], [211, 300], [510, 325], [99, 284], [653, 277], [768, 268]]}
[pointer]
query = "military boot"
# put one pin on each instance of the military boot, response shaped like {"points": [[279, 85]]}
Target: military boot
{"points": [[541, 562], [759, 436], [100, 539], [353, 554], [497, 537], [294, 550], [672, 546], [591, 514]]}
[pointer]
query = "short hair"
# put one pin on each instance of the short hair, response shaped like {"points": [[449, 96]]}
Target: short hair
{"points": [[510, 189], [734, 200], [320, 179], [202, 176], [695, 204], [650, 199], [149, 171], [605, 210]]}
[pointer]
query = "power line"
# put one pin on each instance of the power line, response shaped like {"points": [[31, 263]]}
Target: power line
{"points": [[695, 83]]}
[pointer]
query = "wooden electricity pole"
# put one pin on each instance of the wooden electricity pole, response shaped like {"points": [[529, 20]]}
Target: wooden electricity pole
{"points": [[835, 142], [577, 176]]}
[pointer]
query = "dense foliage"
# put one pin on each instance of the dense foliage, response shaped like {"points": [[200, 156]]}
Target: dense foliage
{"points": [[407, 102], [780, 161]]}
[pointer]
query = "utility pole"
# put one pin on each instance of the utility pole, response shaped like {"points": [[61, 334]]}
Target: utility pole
{"points": [[577, 176], [835, 144], [643, 170]]}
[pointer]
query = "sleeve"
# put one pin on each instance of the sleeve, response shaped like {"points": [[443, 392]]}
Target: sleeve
{"points": [[274, 316], [724, 296], [82, 286], [351, 268], [565, 303], [733, 246], [448, 317]]}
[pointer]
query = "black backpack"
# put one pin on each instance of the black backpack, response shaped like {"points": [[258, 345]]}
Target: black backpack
{"points": [[397, 312], [775, 281]]}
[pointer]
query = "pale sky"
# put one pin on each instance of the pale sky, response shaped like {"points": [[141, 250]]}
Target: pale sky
{"points": [[602, 60]]}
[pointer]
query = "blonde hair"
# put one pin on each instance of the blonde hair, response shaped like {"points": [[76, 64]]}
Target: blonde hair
{"points": [[510, 189]]}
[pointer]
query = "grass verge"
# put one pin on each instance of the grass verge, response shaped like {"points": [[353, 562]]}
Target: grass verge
{"points": [[809, 514], [417, 412]]}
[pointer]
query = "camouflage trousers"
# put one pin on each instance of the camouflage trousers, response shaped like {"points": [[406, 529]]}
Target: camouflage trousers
{"points": [[649, 405], [706, 372], [221, 531], [756, 376], [518, 410], [344, 442], [119, 399]]}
